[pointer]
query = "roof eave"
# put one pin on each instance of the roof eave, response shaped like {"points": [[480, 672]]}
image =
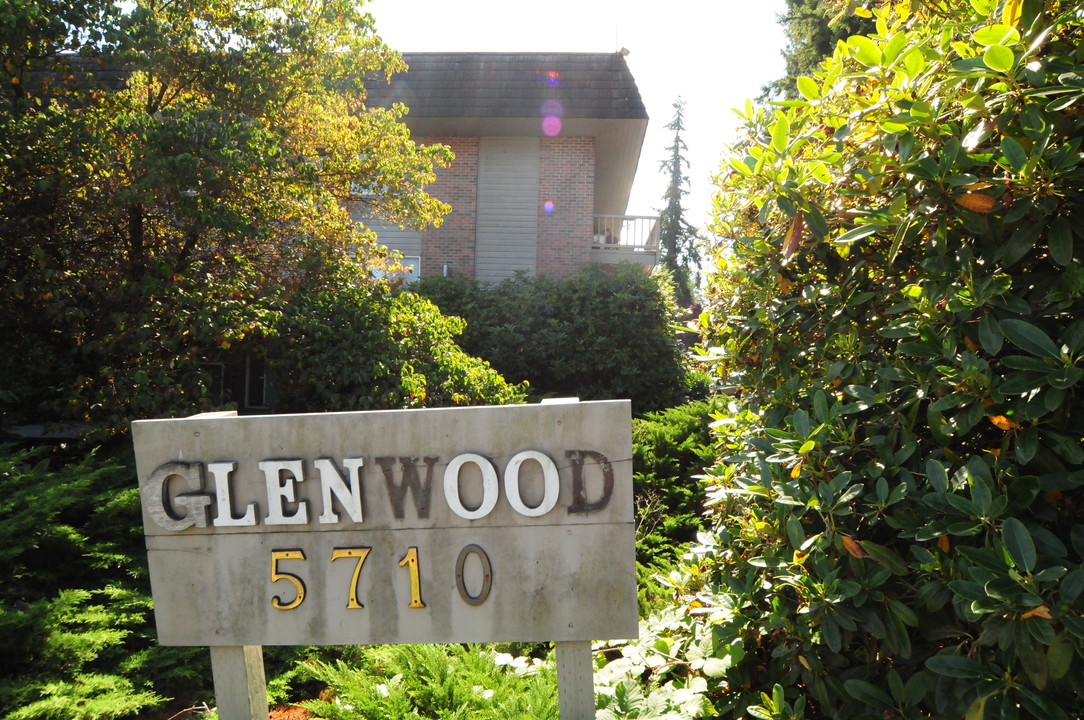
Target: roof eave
{"points": [[618, 144]]}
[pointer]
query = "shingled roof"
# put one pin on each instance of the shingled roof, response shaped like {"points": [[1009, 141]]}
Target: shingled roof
{"points": [[513, 85], [515, 94]]}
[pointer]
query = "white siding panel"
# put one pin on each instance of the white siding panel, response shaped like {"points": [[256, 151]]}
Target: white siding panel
{"points": [[408, 242], [507, 207]]}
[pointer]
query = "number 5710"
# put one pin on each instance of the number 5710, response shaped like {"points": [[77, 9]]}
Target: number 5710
{"points": [[409, 561]]}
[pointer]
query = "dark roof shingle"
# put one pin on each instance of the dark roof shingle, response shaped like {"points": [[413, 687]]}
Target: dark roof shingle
{"points": [[513, 85]]}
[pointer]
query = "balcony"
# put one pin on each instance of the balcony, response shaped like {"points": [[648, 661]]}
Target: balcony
{"points": [[632, 238]]}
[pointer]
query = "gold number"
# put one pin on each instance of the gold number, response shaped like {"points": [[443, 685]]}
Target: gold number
{"points": [[298, 583], [360, 553], [410, 560]]}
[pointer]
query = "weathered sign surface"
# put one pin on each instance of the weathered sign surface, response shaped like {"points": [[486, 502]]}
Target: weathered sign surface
{"points": [[509, 523]]}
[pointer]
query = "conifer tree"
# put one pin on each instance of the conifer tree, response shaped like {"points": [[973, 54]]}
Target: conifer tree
{"points": [[677, 238], [812, 28]]}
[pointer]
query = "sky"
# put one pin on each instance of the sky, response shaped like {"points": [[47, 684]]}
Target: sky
{"points": [[713, 54]]}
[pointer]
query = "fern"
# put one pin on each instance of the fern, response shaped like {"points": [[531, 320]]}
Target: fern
{"points": [[409, 682]]}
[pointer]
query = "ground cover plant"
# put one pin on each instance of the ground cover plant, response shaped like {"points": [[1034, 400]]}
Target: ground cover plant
{"points": [[896, 513], [434, 681]]}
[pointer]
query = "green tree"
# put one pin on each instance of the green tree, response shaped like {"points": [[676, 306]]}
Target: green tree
{"points": [[678, 250], [146, 224], [812, 29], [896, 509]]}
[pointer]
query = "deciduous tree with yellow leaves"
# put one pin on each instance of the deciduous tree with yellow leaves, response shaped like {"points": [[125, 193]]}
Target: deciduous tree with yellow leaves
{"points": [[170, 172]]}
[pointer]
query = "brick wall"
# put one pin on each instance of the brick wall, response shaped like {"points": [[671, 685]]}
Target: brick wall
{"points": [[566, 171], [566, 203], [453, 243]]}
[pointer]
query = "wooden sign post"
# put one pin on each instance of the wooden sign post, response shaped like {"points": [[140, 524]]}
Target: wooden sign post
{"points": [[491, 524]]}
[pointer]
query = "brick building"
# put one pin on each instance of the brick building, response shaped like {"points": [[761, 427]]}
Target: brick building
{"points": [[546, 149]]}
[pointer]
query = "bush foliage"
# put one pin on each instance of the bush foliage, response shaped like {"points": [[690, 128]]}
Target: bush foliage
{"points": [[897, 526], [75, 608], [356, 348], [670, 448], [600, 334]]}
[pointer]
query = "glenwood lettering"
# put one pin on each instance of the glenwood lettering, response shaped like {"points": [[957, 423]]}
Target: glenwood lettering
{"points": [[177, 496]]}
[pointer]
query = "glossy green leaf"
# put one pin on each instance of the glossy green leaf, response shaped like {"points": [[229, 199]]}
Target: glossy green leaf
{"points": [[1018, 542], [814, 220], [1020, 243], [800, 421], [864, 50], [894, 47], [780, 133], [1072, 585], [795, 532], [1059, 656], [857, 233], [996, 35], [1027, 444], [808, 87], [1027, 362], [965, 506], [990, 336], [958, 666], [831, 634], [914, 63], [740, 166], [1066, 377], [715, 667], [937, 476], [1074, 624], [1068, 448], [886, 557], [1014, 153], [1060, 241], [999, 58], [868, 693], [1029, 338]]}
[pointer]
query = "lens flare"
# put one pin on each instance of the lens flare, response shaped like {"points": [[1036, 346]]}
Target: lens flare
{"points": [[551, 125], [553, 107], [548, 206], [552, 112], [549, 76]]}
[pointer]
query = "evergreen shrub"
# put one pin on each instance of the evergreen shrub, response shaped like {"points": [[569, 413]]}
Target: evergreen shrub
{"points": [[75, 608], [897, 526], [354, 347], [670, 449], [603, 333]]}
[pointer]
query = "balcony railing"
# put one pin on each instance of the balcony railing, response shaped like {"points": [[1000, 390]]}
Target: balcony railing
{"points": [[638, 233]]}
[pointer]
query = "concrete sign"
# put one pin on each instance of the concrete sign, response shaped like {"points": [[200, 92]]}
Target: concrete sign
{"points": [[511, 523]]}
